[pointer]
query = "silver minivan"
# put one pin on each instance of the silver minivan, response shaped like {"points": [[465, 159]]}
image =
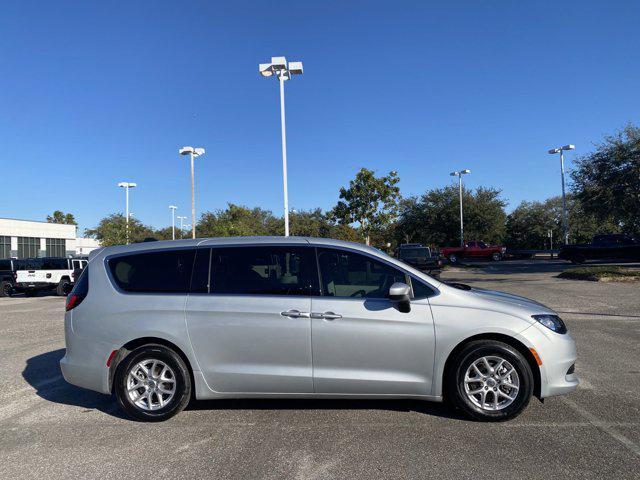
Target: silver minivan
{"points": [[159, 323]]}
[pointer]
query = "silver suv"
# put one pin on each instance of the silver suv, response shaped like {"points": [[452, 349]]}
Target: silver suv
{"points": [[157, 323]]}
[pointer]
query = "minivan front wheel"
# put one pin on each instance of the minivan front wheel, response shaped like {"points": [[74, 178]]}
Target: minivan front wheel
{"points": [[153, 383], [490, 381]]}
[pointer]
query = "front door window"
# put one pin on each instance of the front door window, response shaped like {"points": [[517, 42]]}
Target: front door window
{"points": [[352, 275]]}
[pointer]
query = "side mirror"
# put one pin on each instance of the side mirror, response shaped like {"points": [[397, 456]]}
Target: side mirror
{"points": [[400, 293]]}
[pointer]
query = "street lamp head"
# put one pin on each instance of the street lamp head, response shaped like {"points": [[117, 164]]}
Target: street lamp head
{"points": [[569, 147], [198, 151], [127, 184], [173, 207], [266, 70], [454, 174], [554, 150], [295, 68], [466, 170], [281, 68], [279, 63], [186, 150]]}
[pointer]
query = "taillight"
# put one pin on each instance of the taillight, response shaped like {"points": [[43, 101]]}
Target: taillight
{"points": [[79, 292], [73, 300]]}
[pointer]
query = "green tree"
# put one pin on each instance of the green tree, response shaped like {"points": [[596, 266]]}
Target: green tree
{"points": [[238, 220], [434, 218], [529, 224], [315, 223], [607, 180], [61, 217], [166, 233], [370, 201], [112, 230]]}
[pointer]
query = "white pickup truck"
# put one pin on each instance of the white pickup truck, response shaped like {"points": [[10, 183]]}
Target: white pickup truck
{"points": [[48, 273]]}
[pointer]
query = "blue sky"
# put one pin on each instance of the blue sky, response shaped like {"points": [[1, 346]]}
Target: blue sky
{"points": [[93, 93]]}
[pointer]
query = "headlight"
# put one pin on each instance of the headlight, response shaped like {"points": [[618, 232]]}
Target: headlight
{"points": [[552, 322]]}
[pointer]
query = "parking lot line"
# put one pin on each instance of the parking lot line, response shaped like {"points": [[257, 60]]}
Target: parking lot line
{"points": [[604, 426]]}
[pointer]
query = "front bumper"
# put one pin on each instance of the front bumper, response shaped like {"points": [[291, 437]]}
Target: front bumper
{"points": [[558, 354]]}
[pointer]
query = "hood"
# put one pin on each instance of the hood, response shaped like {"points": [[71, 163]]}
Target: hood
{"points": [[511, 300]]}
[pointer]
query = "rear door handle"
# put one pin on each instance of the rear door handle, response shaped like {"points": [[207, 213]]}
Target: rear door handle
{"points": [[295, 314], [326, 315]]}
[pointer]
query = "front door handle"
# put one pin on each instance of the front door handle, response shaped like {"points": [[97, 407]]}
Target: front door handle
{"points": [[326, 315], [295, 314]]}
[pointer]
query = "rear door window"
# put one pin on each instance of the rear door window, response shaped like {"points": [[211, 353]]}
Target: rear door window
{"points": [[263, 270], [167, 271]]}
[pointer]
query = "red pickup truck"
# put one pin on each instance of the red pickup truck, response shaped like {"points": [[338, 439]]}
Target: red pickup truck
{"points": [[473, 250]]}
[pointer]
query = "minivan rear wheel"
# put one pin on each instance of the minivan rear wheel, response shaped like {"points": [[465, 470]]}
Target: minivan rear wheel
{"points": [[152, 383], [490, 381]]}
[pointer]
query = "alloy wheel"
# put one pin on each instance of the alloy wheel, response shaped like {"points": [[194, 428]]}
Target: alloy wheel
{"points": [[151, 384], [491, 383]]}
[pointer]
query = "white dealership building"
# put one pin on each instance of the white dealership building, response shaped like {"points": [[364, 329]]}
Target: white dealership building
{"points": [[28, 239]]}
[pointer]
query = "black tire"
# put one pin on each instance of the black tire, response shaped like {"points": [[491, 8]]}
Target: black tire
{"points": [[182, 377], [496, 257], [64, 287], [30, 293], [6, 289], [455, 384], [577, 259]]}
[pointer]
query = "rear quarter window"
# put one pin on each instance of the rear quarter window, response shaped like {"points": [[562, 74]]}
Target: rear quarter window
{"points": [[167, 271]]}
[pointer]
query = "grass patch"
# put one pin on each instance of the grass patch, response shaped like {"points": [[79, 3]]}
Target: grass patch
{"points": [[605, 273]]}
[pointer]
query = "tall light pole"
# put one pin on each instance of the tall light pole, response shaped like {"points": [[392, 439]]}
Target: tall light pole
{"points": [[459, 175], [127, 186], [283, 71], [193, 153], [173, 209], [565, 222], [182, 219]]}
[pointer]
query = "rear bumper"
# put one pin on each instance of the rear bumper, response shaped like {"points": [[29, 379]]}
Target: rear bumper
{"points": [[85, 361], [33, 285]]}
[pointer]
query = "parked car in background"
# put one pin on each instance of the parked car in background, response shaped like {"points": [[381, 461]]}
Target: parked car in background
{"points": [[473, 249], [48, 273], [7, 276], [419, 257], [603, 247], [233, 318]]}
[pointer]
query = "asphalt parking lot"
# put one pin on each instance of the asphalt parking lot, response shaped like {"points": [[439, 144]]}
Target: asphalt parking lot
{"points": [[52, 429]]}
